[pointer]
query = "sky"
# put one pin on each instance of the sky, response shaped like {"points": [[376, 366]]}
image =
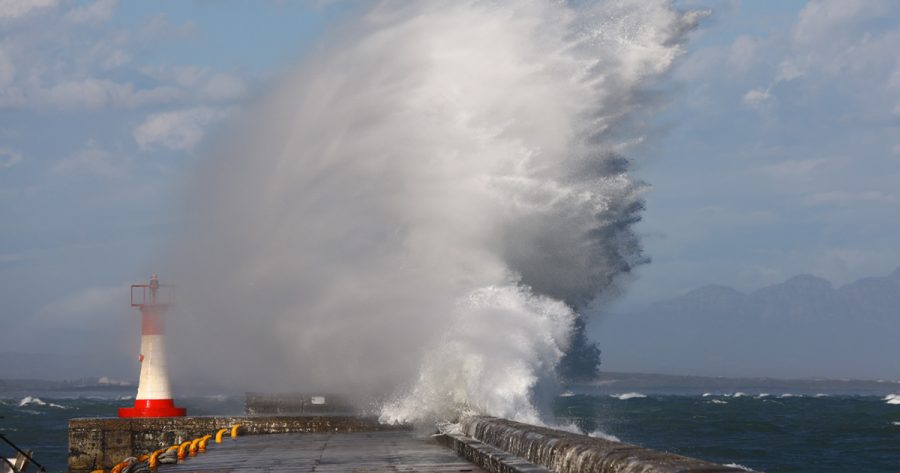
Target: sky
{"points": [[777, 149]]}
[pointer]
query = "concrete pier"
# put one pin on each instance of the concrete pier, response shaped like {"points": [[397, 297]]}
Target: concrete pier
{"points": [[362, 451], [347, 443], [100, 443]]}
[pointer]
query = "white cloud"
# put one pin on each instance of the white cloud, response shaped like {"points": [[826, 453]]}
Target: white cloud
{"points": [[223, 87], [843, 197], [97, 12], [94, 93], [13, 9], [185, 76], [788, 71], [179, 130], [85, 307], [9, 158], [793, 168], [93, 159], [7, 68], [756, 98], [743, 52]]}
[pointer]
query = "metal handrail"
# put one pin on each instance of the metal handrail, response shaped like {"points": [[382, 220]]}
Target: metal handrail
{"points": [[17, 449]]}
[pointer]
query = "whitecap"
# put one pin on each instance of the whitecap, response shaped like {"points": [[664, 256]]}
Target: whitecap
{"points": [[567, 394], [29, 400], [821, 395], [738, 394], [717, 401], [896, 423], [787, 395], [892, 399], [762, 395], [708, 394], [735, 465], [626, 396], [603, 435]]}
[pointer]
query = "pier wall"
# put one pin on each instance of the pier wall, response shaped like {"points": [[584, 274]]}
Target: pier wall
{"points": [[496, 445], [566, 452], [102, 442]]}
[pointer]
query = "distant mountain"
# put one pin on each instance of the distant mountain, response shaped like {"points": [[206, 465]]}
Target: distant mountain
{"points": [[799, 328]]}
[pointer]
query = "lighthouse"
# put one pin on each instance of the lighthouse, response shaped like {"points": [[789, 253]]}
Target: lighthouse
{"points": [[154, 396]]}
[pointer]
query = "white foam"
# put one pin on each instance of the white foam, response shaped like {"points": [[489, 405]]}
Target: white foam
{"points": [[787, 395], [762, 395], [446, 168], [892, 399], [895, 423], [742, 467], [626, 396], [708, 394], [738, 394], [717, 401], [31, 401], [567, 394], [603, 435]]}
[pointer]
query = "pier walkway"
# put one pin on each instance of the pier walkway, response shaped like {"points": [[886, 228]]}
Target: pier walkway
{"points": [[318, 452]]}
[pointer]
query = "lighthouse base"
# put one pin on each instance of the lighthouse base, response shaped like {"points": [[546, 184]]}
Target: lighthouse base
{"points": [[153, 408]]}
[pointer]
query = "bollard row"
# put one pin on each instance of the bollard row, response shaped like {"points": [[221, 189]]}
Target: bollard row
{"points": [[170, 455]]}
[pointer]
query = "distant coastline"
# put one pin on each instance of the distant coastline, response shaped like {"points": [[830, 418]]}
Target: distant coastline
{"points": [[648, 383]]}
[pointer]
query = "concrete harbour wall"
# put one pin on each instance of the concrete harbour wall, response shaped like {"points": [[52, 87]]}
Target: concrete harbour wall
{"points": [[496, 445], [565, 452]]}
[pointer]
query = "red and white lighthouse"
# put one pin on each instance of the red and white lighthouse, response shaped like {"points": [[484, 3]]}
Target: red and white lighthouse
{"points": [[154, 396]]}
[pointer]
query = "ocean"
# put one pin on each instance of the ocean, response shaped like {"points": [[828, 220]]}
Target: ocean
{"points": [[778, 432]]}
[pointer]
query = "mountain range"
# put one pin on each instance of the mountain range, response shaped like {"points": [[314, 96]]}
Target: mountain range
{"points": [[802, 327]]}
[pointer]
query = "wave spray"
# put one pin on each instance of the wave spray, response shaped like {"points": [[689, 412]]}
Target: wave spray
{"points": [[419, 211]]}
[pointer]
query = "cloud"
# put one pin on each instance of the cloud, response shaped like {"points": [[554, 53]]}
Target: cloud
{"points": [[757, 98], [842, 197], [223, 87], [97, 12], [793, 168], [9, 158], [94, 93], [161, 28], [14, 9], [93, 159], [179, 130], [7, 68]]}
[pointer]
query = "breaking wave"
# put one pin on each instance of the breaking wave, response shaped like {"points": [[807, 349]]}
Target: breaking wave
{"points": [[422, 211], [626, 396]]}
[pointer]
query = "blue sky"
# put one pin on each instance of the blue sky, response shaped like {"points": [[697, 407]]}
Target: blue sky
{"points": [[778, 149]]}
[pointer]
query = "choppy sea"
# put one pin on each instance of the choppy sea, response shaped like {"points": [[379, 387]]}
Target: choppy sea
{"points": [[777, 432]]}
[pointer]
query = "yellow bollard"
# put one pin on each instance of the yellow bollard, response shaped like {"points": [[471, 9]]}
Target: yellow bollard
{"points": [[194, 444], [182, 450], [202, 445], [153, 463], [173, 447], [119, 466], [234, 430], [219, 435], [143, 457]]}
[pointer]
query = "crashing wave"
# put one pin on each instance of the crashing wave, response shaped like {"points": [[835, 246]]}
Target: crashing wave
{"points": [[626, 396], [892, 399]]}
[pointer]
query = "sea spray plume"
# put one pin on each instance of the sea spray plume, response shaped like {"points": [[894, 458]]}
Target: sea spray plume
{"points": [[416, 211]]}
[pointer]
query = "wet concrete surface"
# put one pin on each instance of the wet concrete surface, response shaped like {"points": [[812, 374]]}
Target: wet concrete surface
{"points": [[358, 451]]}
